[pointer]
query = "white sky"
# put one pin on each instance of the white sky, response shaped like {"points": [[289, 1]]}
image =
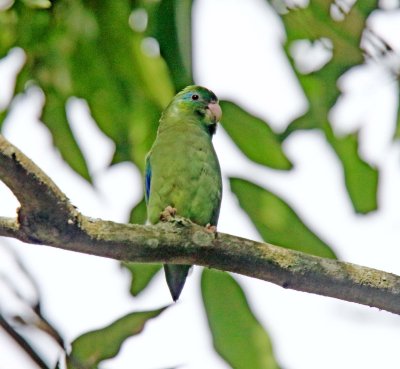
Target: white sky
{"points": [[238, 55]]}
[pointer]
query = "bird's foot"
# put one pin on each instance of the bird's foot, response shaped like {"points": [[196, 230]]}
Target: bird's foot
{"points": [[211, 228], [168, 214]]}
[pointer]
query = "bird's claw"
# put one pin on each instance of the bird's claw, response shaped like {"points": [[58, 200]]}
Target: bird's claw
{"points": [[168, 214], [210, 228]]}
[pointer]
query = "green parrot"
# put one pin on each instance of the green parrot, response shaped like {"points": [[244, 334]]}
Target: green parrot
{"points": [[182, 173]]}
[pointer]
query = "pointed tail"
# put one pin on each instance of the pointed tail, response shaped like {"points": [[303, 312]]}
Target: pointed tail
{"points": [[176, 277]]}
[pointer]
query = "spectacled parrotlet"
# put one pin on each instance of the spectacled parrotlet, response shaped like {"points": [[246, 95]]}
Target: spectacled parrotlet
{"points": [[182, 174]]}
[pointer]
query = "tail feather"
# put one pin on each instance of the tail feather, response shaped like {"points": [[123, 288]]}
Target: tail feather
{"points": [[176, 277]]}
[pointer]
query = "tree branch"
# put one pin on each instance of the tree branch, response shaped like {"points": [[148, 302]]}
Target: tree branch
{"points": [[47, 217]]}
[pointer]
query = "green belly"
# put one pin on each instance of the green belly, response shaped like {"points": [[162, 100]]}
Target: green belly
{"points": [[185, 175]]}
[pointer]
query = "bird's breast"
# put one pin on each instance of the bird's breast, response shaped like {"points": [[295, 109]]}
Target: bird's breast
{"points": [[185, 175]]}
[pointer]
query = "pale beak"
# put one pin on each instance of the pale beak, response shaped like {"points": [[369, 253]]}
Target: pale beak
{"points": [[215, 110]]}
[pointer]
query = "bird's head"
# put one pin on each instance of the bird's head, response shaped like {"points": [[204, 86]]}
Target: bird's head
{"points": [[200, 103]]}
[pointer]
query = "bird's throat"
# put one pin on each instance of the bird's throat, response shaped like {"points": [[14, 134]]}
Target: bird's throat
{"points": [[212, 128]]}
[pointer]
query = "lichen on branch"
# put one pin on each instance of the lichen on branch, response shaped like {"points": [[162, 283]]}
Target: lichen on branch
{"points": [[47, 217]]}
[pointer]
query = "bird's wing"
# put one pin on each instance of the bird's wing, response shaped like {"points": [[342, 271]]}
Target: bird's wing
{"points": [[147, 181]]}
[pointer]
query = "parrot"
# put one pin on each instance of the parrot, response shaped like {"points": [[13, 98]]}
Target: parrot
{"points": [[182, 171]]}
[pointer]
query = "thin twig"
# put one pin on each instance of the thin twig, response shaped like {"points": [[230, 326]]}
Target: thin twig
{"points": [[22, 343]]}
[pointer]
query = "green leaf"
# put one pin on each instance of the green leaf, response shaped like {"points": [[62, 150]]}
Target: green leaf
{"points": [[139, 213], [54, 116], [89, 349], [142, 134], [153, 71], [237, 335], [276, 221], [253, 136], [3, 116], [360, 177], [142, 274], [173, 30]]}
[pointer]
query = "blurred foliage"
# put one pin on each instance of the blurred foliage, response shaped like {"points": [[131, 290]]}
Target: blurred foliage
{"points": [[276, 221], [93, 347], [237, 335], [341, 37], [258, 142], [29, 320], [139, 213], [142, 274], [127, 58]]}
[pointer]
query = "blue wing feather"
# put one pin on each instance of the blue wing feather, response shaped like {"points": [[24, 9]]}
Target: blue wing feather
{"points": [[147, 179]]}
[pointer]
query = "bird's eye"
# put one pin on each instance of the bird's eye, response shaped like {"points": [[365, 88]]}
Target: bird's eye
{"points": [[195, 97]]}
